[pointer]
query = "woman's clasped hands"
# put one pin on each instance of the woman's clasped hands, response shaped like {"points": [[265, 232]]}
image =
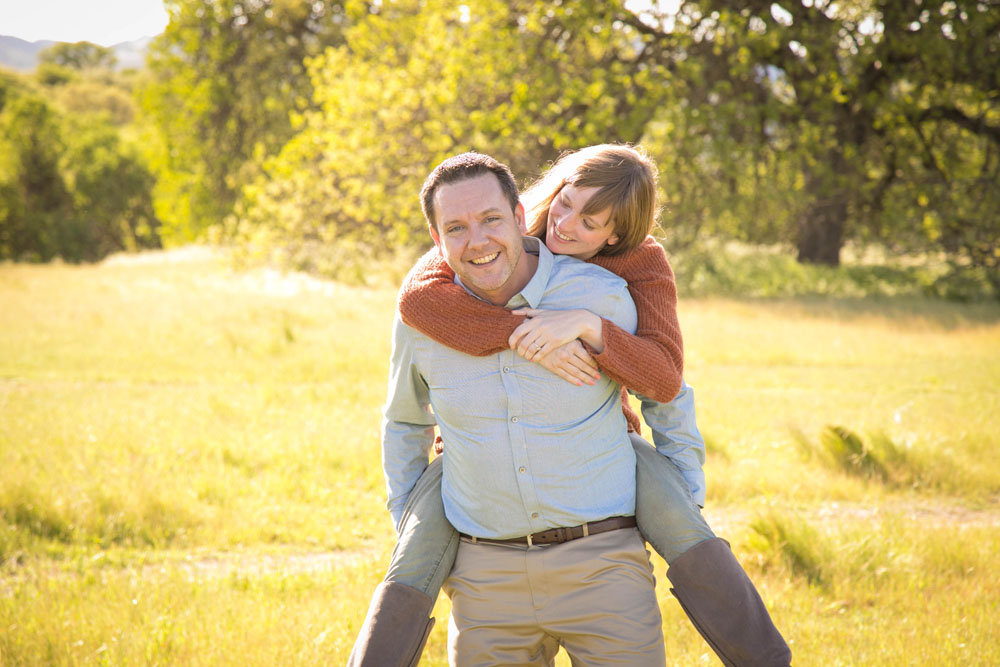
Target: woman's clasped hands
{"points": [[552, 339]]}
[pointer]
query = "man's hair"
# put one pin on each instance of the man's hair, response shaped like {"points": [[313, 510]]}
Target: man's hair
{"points": [[463, 167]]}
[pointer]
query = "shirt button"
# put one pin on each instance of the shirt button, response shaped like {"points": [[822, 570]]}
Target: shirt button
{"points": [[506, 369], [513, 420], [522, 469], [534, 515]]}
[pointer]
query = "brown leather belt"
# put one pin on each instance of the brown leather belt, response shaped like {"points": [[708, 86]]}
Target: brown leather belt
{"points": [[560, 535]]}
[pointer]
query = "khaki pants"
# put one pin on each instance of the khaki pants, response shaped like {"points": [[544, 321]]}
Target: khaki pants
{"points": [[514, 605]]}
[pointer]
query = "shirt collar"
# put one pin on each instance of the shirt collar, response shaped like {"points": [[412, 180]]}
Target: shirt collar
{"points": [[532, 293]]}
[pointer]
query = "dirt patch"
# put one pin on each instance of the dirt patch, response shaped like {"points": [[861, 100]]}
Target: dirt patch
{"points": [[218, 565], [198, 566], [726, 520]]}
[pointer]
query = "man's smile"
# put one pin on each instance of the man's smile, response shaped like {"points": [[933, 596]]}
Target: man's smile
{"points": [[485, 260]]}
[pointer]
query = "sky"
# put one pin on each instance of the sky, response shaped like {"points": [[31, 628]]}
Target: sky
{"points": [[104, 22]]}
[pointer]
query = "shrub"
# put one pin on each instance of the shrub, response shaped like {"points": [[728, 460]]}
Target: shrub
{"points": [[792, 543]]}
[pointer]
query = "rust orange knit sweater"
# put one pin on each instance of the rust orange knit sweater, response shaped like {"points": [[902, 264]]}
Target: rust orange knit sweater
{"points": [[650, 362]]}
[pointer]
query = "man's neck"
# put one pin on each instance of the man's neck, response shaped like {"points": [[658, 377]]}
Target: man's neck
{"points": [[523, 273]]}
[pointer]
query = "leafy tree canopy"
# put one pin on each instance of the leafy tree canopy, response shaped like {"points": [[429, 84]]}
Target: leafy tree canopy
{"points": [[810, 123], [69, 186], [225, 76], [79, 55]]}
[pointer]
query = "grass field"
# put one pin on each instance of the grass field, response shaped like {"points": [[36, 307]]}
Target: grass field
{"points": [[189, 468]]}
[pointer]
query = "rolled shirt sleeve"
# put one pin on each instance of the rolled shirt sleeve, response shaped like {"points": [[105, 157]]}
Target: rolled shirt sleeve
{"points": [[676, 436]]}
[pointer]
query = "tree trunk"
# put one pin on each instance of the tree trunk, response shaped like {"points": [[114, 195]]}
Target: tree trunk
{"points": [[830, 181], [821, 230]]}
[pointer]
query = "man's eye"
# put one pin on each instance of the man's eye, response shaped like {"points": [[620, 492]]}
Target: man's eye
{"points": [[493, 218], [454, 229]]}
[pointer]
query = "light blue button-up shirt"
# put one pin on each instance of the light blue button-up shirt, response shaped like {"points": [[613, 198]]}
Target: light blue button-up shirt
{"points": [[526, 450]]}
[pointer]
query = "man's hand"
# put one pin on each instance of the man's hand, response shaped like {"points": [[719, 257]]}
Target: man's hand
{"points": [[543, 331], [571, 362]]}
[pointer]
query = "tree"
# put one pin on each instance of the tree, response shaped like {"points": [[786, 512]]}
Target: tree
{"points": [[68, 187], [226, 74], [831, 89], [35, 202], [79, 55], [418, 81], [111, 191], [811, 124]]}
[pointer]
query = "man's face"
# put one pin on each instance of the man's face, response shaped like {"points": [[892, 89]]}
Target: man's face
{"points": [[480, 237]]}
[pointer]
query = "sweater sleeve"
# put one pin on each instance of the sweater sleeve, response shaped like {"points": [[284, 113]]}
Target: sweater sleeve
{"points": [[651, 362], [431, 302]]}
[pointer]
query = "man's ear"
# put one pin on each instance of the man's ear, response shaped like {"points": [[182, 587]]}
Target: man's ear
{"points": [[519, 216], [434, 236]]}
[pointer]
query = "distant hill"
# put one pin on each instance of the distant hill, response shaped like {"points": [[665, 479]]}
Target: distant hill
{"points": [[132, 54], [22, 56], [17, 54]]}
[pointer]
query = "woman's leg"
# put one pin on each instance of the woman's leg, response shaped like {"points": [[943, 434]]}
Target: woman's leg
{"points": [[666, 513], [396, 627], [714, 591], [427, 543]]}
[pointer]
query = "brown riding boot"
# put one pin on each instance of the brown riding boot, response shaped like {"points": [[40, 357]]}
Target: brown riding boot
{"points": [[721, 601], [395, 629]]}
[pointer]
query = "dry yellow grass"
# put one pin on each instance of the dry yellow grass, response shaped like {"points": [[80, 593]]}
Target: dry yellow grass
{"points": [[190, 468]]}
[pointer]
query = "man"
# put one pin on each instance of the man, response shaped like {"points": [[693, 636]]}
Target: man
{"points": [[539, 475]]}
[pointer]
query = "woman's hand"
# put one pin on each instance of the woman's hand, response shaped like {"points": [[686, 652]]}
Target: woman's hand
{"points": [[572, 363], [545, 330]]}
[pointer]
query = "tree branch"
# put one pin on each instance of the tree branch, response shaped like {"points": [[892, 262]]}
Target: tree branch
{"points": [[977, 126]]}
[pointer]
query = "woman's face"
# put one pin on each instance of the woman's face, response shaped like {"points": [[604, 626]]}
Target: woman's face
{"points": [[569, 232]]}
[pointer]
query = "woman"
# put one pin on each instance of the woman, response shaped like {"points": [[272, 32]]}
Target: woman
{"points": [[598, 205]]}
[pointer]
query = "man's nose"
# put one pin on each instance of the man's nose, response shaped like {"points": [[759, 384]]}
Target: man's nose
{"points": [[477, 236]]}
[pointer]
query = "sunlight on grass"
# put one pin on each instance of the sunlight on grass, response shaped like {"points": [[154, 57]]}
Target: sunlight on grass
{"points": [[191, 468], [913, 590], [924, 376]]}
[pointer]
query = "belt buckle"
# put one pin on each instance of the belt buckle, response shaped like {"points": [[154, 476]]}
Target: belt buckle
{"points": [[529, 539]]}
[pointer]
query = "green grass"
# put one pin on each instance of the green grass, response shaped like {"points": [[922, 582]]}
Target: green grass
{"points": [[717, 267], [190, 470]]}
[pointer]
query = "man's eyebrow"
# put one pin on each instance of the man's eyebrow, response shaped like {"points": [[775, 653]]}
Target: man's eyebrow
{"points": [[479, 214]]}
